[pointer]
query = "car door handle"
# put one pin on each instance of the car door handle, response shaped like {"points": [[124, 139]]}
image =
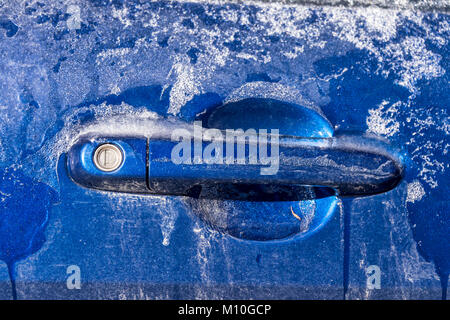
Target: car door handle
{"points": [[271, 164]]}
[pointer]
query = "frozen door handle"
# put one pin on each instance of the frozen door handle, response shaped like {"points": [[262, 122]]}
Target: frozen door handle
{"points": [[350, 165], [109, 163]]}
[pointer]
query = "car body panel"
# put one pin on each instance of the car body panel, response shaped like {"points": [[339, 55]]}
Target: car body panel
{"points": [[367, 70]]}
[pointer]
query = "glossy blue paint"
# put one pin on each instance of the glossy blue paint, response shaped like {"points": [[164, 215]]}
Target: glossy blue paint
{"points": [[25, 205], [256, 113], [57, 76]]}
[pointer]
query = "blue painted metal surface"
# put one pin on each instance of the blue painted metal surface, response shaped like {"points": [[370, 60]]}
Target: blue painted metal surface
{"points": [[112, 67], [129, 177]]}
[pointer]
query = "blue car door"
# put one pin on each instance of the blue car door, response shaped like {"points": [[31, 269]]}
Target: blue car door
{"points": [[121, 178]]}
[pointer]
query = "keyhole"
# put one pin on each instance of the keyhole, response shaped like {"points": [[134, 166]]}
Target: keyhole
{"points": [[108, 157]]}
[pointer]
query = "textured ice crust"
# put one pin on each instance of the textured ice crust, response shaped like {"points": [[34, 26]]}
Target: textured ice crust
{"points": [[164, 44], [58, 59]]}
